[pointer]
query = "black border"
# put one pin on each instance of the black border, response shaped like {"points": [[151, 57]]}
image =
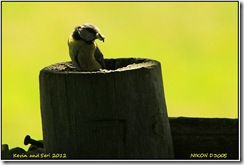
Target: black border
{"points": [[240, 69]]}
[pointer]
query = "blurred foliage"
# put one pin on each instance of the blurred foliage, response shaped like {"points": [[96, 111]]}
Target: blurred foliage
{"points": [[196, 43]]}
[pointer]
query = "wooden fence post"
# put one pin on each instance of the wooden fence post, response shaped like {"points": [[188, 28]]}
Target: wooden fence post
{"points": [[116, 114]]}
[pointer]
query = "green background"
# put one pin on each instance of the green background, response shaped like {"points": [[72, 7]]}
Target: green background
{"points": [[196, 43]]}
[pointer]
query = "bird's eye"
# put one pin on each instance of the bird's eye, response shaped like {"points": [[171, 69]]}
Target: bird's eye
{"points": [[91, 30]]}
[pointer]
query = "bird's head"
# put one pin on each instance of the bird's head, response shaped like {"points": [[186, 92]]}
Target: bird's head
{"points": [[88, 33]]}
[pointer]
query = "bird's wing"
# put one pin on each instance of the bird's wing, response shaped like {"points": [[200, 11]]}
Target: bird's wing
{"points": [[99, 57]]}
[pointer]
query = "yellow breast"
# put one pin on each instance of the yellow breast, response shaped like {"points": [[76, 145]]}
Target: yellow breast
{"points": [[84, 53]]}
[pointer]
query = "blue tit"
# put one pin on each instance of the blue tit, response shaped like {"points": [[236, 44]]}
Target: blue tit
{"points": [[83, 51]]}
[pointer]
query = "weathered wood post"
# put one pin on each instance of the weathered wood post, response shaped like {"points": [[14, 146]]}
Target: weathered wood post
{"points": [[116, 114]]}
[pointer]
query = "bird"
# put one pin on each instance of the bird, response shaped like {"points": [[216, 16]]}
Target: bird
{"points": [[83, 50]]}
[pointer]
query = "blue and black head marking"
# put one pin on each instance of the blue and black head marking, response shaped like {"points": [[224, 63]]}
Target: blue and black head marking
{"points": [[76, 34], [87, 32]]}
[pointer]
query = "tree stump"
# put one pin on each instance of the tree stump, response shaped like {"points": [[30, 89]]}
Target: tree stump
{"points": [[118, 113]]}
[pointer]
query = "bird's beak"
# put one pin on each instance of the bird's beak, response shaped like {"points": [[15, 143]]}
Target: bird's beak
{"points": [[100, 37]]}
